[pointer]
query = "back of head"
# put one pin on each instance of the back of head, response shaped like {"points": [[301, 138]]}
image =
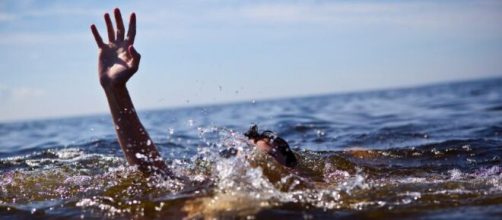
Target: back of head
{"points": [[279, 145], [284, 150]]}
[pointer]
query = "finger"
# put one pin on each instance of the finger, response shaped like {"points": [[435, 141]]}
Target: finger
{"points": [[135, 56], [109, 28], [97, 37], [131, 32], [120, 25]]}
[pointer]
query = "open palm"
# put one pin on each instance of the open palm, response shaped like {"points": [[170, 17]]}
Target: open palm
{"points": [[117, 60]]}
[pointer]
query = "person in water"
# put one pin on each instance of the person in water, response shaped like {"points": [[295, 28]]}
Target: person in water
{"points": [[118, 61]]}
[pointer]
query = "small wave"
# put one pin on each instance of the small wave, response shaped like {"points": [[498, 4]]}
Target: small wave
{"points": [[431, 152]]}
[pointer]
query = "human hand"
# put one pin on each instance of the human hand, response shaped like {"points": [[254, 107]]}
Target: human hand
{"points": [[118, 60]]}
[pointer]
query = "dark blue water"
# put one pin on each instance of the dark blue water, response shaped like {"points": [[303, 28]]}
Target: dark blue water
{"points": [[426, 152]]}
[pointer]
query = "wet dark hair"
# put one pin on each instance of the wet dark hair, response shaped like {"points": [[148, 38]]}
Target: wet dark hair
{"points": [[281, 146], [252, 133]]}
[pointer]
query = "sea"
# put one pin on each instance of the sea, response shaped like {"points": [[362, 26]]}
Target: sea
{"points": [[428, 152]]}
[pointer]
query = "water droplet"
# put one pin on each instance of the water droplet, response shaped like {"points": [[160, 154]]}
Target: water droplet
{"points": [[466, 148], [141, 156], [320, 133]]}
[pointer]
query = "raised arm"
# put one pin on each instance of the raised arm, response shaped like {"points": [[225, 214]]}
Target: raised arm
{"points": [[117, 62]]}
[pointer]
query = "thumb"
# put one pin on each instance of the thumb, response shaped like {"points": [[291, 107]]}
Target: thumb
{"points": [[135, 55]]}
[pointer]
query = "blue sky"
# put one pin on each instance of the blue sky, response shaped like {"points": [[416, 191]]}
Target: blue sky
{"points": [[203, 52]]}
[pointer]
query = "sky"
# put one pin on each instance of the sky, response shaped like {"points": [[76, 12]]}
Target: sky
{"points": [[207, 52]]}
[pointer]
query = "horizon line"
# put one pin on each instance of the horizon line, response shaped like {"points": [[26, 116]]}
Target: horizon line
{"points": [[226, 103]]}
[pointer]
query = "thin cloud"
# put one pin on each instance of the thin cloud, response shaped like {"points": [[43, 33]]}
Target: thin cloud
{"points": [[175, 19], [5, 17], [25, 38], [63, 11], [415, 14], [17, 94], [462, 19], [36, 9]]}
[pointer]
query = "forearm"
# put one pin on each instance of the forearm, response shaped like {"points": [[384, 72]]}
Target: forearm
{"points": [[137, 145]]}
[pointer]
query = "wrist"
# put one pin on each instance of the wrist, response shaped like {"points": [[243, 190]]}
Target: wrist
{"points": [[113, 87], [111, 84]]}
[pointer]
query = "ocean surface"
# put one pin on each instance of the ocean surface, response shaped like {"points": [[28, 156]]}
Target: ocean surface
{"points": [[430, 152]]}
